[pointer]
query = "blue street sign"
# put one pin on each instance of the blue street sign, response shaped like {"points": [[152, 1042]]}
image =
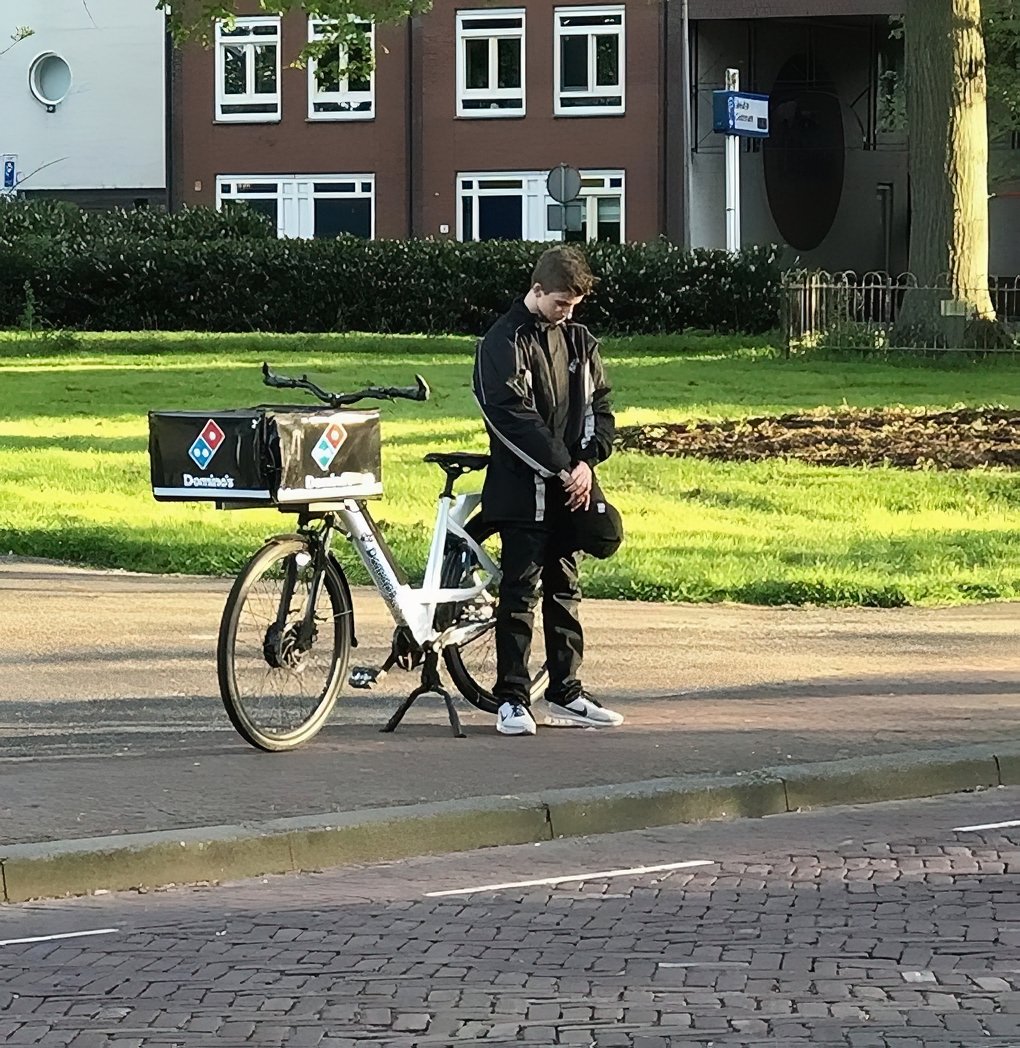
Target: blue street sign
{"points": [[10, 173], [740, 113]]}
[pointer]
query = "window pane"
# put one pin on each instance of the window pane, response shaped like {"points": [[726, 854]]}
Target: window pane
{"points": [[492, 103], [233, 71], [609, 219], [257, 187], [584, 20], [327, 73], [607, 61], [360, 51], [251, 107], [574, 62], [492, 23], [265, 69], [263, 207], [267, 29], [333, 217], [333, 187], [467, 212], [476, 64], [500, 218], [509, 54], [238, 30]]}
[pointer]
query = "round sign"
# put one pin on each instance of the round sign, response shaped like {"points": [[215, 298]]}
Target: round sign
{"points": [[564, 183]]}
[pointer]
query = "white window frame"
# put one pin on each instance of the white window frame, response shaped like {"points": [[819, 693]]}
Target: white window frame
{"points": [[592, 32], [345, 96], [477, 191], [465, 32], [535, 199], [595, 186], [250, 97], [295, 198]]}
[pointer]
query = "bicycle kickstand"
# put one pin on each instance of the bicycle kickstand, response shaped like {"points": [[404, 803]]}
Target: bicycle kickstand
{"points": [[431, 684]]}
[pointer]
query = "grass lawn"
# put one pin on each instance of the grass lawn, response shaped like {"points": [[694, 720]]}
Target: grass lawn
{"points": [[74, 481]]}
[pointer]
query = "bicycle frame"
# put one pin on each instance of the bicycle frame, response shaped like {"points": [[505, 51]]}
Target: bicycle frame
{"points": [[415, 607]]}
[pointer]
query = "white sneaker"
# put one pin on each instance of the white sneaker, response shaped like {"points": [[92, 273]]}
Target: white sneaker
{"points": [[582, 712], [515, 719]]}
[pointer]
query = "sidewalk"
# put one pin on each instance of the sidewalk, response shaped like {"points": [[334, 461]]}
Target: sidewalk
{"points": [[111, 727]]}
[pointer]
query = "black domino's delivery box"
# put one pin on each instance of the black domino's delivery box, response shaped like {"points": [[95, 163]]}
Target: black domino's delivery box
{"points": [[265, 455]]}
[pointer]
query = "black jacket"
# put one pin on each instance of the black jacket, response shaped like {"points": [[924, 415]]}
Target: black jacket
{"points": [[515, 391]]}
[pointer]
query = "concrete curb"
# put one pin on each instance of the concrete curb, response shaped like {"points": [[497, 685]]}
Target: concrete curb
{"points": [[213, 853]]}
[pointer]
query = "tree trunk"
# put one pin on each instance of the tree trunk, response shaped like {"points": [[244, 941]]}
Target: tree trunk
{"points": [[947, 112]]}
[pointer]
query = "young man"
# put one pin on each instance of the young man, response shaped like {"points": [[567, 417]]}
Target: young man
{"points": [[543, 393]]}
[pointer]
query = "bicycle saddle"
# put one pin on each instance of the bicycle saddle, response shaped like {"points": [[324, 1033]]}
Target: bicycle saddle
{"points": [[458, 461]]}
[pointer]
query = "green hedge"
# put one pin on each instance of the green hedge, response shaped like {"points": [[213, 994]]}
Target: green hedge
{"points": [[207, 271]]}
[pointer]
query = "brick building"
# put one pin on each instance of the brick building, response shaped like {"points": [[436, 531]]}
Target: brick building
{"points": [[470, 106]]}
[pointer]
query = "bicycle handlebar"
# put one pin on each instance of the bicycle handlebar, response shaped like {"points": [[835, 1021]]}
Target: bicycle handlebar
{"points": [[420, 391]]}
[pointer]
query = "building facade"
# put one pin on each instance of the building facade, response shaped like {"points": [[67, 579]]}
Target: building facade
{"points": [[84, 101], [469, 107], [451, 137]]}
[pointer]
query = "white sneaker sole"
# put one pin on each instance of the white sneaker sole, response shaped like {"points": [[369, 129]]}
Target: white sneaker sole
{"points": [[566, 719], [514, 731]]}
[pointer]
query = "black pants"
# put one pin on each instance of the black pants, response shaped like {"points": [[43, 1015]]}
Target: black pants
{"points": [[530, 557]]}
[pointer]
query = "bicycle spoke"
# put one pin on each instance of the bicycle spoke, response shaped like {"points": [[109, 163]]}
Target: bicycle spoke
{"points": [[279, 683]]}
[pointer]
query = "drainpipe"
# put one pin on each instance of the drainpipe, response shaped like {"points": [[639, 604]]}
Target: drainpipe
{"points": [[685, 77]]}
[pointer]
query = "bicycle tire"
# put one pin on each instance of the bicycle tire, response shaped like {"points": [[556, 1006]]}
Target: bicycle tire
{"points": [[472, 666], [253, 648]]}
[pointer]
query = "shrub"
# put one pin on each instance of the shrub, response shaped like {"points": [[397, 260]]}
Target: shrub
{"points": [[206, 270]]}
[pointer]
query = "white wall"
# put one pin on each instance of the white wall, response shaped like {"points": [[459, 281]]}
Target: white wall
{"points": [[109, 132]]}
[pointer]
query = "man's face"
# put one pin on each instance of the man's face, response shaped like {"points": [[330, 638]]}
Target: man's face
{"points": [[556, 306]]}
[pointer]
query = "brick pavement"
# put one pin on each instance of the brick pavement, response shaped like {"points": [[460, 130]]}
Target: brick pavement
{"points": [[905, 942]]}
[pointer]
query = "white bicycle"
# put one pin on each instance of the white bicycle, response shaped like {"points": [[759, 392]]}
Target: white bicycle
{"points": [[288, 626]]}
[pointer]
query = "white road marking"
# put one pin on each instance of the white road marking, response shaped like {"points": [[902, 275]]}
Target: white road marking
{"points": [[987, 826], [600, 875], [61, 935]]}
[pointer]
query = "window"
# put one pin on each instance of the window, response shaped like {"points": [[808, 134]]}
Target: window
{"points": [[248, 70], [601, 208], [306, 206], [491, 208], [334, 95], [515, 205], [49, 78], [589, 61], [490, 63], [891, 92]]}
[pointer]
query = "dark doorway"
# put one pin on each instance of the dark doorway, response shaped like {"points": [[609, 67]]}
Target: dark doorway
{"points": [[804, 158]]}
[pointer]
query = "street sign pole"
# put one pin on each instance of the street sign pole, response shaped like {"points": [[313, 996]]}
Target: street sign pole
{"points": [[732, 175], [563, 184]]}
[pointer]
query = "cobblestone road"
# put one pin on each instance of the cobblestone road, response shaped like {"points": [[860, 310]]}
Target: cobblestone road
{"points": [[883, 926]]}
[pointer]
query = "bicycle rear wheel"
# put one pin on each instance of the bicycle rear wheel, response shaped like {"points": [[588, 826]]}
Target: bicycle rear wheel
{"points": [[277, 689], [472, 665]]}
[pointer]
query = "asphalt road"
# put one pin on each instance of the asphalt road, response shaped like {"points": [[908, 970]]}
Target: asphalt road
{"points": [[97, 662]]}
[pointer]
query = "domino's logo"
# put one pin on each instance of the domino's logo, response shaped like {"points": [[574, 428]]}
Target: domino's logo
{"points": [[206, 444], [329, 444]]}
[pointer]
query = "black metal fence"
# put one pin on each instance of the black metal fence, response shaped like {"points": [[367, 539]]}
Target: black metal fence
{"points": [[880, 312]]}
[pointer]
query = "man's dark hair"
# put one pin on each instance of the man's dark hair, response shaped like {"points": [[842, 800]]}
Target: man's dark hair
{"points": [[563, 268]]}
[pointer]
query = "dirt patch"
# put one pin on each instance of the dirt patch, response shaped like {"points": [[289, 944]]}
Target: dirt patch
{"points": [[960, 439]]}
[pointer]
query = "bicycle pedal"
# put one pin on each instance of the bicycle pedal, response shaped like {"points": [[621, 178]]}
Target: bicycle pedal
{"points": [[365, 677]]}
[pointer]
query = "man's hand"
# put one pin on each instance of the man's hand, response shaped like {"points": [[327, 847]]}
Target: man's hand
{"points": [[578, 487]]}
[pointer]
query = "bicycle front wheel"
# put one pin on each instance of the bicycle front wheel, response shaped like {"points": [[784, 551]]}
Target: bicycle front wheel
{"points": [[472, 664], [279, 680]]}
